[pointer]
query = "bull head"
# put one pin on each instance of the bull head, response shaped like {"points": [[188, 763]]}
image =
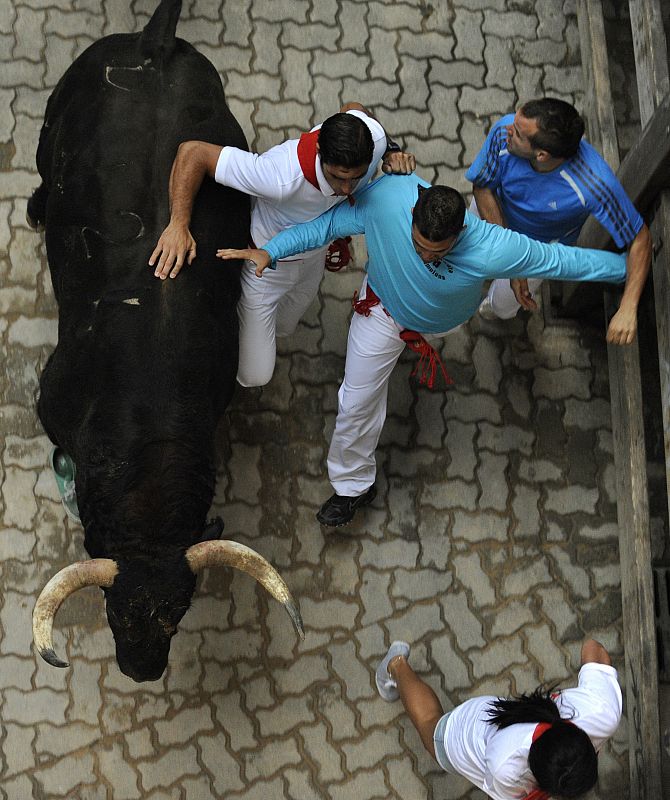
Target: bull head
{"points": [[143, 622]]}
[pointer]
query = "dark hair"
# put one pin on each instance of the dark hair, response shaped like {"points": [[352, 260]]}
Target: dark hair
{"points": [[560, 128], [345, 141], [439, 212], [563, 759]]}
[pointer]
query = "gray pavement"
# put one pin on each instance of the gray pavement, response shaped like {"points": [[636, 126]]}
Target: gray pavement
{"points": [[492, 546]]}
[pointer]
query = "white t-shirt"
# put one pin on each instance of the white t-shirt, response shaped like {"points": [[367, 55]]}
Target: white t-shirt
{"points": [[497, 760], [284, 197]]}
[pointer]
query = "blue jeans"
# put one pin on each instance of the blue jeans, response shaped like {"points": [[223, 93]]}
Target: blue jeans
{"points": [[438, 741]]}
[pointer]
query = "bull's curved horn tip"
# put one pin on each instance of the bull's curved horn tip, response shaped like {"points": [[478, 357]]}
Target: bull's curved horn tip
{"points": [[50, 657], [294, 613]]}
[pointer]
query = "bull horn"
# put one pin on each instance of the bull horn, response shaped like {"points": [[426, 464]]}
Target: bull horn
{"points": [[95, 572], [232, 554]]}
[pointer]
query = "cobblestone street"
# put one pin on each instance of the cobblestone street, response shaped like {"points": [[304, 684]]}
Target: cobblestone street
{"points": [[492, 544]]}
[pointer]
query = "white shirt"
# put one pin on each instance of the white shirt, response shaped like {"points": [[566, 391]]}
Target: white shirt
{"points": [[497, 760], [284, 197]]}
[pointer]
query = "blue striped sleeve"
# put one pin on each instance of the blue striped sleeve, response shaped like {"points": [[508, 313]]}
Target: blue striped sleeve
{"points": [[606, 198], [485, 169]]}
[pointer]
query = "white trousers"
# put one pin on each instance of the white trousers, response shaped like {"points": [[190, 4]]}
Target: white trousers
{"points": [[373, 349], [500, 296], [272, 306]]}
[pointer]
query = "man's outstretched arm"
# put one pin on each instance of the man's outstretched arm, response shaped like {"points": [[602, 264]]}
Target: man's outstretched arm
{"points": [[623, 325], [341, 220], [193, 162], [489, 210]]}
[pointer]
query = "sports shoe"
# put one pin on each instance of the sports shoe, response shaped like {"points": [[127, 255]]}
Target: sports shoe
{"points": [[386, 686], [486, 310], [339, 509], [64, 472]]}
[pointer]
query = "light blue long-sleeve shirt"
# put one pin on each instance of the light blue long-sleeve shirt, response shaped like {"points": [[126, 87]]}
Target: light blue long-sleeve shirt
{"points": [[434, 298]]}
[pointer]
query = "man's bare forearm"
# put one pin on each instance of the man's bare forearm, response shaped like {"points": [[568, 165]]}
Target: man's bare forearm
{"points": [[637, 268], [594, 652], [193, 162], [488, 206]]}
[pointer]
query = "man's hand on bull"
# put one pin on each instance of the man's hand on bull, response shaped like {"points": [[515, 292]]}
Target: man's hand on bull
{"points": [[398, 163], [175, 246], [261, 258], [522, 293]]}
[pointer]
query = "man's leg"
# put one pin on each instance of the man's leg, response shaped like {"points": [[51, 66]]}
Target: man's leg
{"points": [[373, 348], [419, 701], [306, 278], [257, 313]]}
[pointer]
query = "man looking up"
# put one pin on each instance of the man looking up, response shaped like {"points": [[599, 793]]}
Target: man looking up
{"points": [[536, 175], [292, 182], [428, 259]]}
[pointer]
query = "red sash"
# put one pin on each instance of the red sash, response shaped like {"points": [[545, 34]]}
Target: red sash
{"points": [[429, 358]]}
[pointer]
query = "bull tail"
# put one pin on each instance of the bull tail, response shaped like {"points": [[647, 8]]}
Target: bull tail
{"points": [[158, 37]]}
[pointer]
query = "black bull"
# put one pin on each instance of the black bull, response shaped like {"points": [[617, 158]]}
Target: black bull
{"points": [[144, 368]]}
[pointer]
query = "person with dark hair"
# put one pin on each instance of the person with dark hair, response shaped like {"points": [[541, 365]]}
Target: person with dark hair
{"points": [[427, 262], [292, 182], [536, 175], [533, 746]]}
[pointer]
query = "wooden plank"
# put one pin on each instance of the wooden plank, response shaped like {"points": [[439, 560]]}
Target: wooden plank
{"points": [[661, 276], [651, 64], [633, 500], [643, 173], [599, 108], [637, 592]]}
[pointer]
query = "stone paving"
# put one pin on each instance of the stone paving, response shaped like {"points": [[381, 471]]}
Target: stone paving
{"points": [[492, 545]]}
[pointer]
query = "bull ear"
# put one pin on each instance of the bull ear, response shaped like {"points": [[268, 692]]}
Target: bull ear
{"points": [[212, 530]]}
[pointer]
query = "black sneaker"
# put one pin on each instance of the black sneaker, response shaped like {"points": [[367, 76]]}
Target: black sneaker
{"points": [[338, 509]]}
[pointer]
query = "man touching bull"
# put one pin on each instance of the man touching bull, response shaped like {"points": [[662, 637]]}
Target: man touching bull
{"points": [[293, 182]]}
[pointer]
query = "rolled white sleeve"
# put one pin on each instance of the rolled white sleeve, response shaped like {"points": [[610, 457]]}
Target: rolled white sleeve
{"points": [[597, 702], [257, 175]]}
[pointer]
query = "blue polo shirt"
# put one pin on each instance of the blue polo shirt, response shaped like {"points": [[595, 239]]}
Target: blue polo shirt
{"points": [[553, 206], [436, 297]]}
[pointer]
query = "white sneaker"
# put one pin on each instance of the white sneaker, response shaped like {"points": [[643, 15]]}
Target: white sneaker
{"points": [[386, 686], [486, 309]]}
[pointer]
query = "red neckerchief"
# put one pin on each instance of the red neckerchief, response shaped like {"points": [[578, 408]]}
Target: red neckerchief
{"points": [[307, 155], [540, 728]]}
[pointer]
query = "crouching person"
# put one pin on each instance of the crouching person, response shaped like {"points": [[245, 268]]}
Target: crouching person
{"points": [[533, 746]]}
